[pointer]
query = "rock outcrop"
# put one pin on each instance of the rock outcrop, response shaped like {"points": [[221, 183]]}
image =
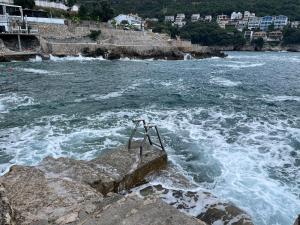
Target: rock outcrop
{"points": [[109, 190], [67, 191], [132, 210], [189, 198]]}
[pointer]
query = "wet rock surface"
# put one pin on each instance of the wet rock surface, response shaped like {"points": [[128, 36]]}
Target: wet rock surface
{"points": [[189, 198]]}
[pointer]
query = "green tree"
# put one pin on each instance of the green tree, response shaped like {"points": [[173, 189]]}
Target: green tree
{"points": [[258, 43], [99, 11], [291, 35], [29, 4]]}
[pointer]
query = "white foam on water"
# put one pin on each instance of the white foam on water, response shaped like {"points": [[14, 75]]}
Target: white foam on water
{"points": [[36, 59], [36, 71], [246, 151], [240, 65], [75, 58], [114, 94], [224, 82], [108, 96], [166, 83], [246, 159], [12, 101], [281, 98]]}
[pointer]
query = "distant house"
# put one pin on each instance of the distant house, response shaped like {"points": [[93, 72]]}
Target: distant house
{"points": [[74, 8], [275, 36], [295, 24], [169, 19], [130, 19], [260, 34], [236, 16], [242, 24], [222, 20], [180, 20], [280, 22], [208, 18], [265, 22], [248, 15], [254, 23], [195, 18]]}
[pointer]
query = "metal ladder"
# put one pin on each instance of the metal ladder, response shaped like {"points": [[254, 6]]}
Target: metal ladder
{"points": [[146, 127]]}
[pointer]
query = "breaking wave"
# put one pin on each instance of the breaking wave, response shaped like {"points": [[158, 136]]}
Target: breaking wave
{"points": [[75, 58], [224, 82]]}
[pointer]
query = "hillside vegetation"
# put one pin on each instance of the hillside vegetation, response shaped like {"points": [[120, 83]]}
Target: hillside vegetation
{"points": [[159, 8]]}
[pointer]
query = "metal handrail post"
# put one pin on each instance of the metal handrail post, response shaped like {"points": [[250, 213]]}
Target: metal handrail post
{"points": [[158, 135]]}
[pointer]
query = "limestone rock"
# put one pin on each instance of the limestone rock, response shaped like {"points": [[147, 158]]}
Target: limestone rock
{"points": [[196, 202], [6, 212], [111, 172], [40, 198], [132, 210]]}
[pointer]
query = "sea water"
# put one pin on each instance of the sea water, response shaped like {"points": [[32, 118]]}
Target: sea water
{"points": [[231, 125]]}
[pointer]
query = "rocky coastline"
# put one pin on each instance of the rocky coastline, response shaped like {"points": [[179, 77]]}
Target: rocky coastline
{"points": [[114, 188]]}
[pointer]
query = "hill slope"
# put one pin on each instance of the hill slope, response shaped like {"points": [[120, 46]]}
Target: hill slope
{"points": [[158, 8]]}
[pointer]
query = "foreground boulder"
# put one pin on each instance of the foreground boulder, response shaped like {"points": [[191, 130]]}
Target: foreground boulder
{"points": [[132, 210], [114, 171], [39, 198]]}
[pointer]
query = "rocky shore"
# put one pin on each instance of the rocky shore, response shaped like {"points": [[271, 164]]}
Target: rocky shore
{"points": [[114, 188]]}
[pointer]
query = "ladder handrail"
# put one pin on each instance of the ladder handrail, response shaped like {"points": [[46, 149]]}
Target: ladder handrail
{"points": [[146, 136]]}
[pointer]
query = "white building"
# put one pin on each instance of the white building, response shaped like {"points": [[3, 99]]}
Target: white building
{"points": [[131, 19], [169, 19], [75, 8], [222, 20], [254, 23], [9, 2], [208, 18], [195, 17], [179, 21], [11, 18], [236, 16], [48, 4], [295, 24], [242, 24], [280, 22], [248, 15]]}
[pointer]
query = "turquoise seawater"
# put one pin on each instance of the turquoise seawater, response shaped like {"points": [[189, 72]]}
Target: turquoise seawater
{"points": [[232, 125]]}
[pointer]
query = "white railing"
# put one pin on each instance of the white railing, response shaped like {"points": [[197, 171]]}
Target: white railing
{"points": [[45, 20], [47, 4]]}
